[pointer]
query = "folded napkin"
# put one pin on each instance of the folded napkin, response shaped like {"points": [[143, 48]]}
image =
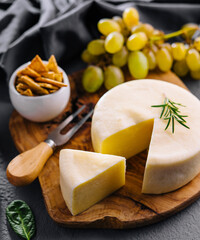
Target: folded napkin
{"points": [[64, 27]]}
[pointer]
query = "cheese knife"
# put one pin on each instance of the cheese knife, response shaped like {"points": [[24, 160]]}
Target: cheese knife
{"points": [[25, 167]]}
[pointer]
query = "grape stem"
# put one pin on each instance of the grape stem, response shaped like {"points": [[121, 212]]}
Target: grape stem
{"points": [[170, 35]]}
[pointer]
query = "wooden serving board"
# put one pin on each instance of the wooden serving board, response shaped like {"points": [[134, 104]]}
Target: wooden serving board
{"points": [[127, 207]]}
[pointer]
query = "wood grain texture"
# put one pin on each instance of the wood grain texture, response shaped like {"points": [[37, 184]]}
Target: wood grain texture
{"points": [[127, 207]]}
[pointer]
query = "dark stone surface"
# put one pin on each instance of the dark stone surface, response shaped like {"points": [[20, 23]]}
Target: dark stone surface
{"points": [[184, 225]]}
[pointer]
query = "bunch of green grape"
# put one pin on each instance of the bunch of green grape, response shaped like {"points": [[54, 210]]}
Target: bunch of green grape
{"points": [[125, 41]]}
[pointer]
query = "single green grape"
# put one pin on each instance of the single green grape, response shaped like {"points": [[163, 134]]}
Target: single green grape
{"points": [[89, 58], [168, 47], [120, 21], [92, 79], [125, 32], [151, 58], [138, 64], [154, 48], [148, 29], [143, 27], [114, 42], [113, 76], [195, 74], [130, 17], [136, 41], [120, 58], [137, 28], [107, 26], [197, 43], [164, 60], [181, 68], [190, 29], [178, 51], [96, 47], [193, 59]]}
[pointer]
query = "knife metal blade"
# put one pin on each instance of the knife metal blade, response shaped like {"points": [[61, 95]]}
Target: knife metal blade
{"points": [[55, 138]]}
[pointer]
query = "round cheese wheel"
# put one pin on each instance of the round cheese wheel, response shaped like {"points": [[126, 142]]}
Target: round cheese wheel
{"points": [[125, 123]]}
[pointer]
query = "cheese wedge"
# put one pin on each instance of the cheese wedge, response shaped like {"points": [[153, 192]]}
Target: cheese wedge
{"points": [[124, 123], [88, 177]]}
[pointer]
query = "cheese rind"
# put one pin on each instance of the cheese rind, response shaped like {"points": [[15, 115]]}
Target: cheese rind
{"points": [[87, 177], [173, 159]]}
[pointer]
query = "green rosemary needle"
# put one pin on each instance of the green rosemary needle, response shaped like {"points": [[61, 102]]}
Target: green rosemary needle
{"points": [[171, 113]]}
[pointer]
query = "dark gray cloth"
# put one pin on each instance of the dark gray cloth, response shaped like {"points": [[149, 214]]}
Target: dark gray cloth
{"points": [[63, 28]]}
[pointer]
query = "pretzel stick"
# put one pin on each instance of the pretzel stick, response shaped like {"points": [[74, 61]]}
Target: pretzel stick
{"points": [[28, 71], [28, 92], [22, 86], [47, 85], [53, 82], [33, 85]]}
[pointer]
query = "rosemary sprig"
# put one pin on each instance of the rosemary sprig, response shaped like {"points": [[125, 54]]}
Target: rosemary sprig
{"points": [[171, 113]]}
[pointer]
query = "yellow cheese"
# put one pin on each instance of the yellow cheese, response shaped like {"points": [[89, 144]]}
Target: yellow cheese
{"points": [[129, 141], [87, 177], [124, 123]]}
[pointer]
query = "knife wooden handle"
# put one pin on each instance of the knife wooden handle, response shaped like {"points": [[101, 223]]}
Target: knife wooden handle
{"points": [[25, 167]]}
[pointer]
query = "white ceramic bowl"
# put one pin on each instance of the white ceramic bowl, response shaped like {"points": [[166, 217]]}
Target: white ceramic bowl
{"points": [[39, 108]]}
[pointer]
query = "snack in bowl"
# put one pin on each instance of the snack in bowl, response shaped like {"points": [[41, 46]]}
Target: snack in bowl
{"points": [[39, 78], [39, 90]]}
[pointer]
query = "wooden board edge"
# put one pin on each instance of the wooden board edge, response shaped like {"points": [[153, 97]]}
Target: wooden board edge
{"points": [[104, 222]]}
